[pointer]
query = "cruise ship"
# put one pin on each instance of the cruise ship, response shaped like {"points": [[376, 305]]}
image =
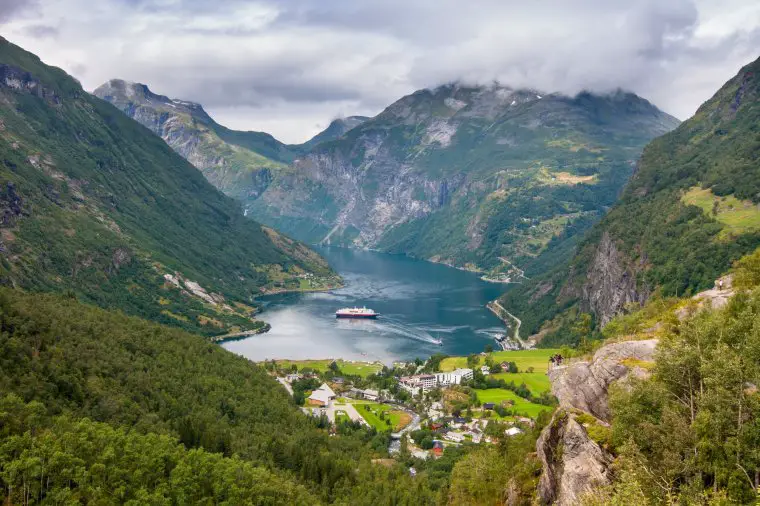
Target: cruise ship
{"points": [[356, 312]]}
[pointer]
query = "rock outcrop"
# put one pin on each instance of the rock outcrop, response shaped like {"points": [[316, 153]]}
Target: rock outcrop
{"points": [[583, 385], [611, 282], [573, 463]]}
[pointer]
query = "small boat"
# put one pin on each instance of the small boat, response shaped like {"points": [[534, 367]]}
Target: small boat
{"points": [[356, 312]]}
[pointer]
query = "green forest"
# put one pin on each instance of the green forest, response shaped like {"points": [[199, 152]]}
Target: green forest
{"points": [[101, 407]]}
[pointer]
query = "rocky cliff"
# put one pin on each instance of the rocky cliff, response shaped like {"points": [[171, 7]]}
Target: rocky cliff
{"points": [[573, 461], [480, 177], [612, 281], [573, 464], [583, 385]]}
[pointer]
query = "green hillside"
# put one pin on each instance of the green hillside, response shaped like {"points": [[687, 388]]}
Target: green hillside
{"points": [[94, 204], [691, 426], [98, 407], [689, 211]]}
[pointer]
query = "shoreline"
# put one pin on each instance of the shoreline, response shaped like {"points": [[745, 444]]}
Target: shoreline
{"points": [[236, 336], [280, 291], [496, 308], [244, 334]]}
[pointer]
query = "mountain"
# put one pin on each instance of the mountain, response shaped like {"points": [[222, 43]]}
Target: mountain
{"points": [[238, 163], [337, 129], [95, 205], [689, 211], [480, 177]]}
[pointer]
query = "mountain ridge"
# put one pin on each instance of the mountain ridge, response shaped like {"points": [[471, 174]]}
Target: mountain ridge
{"points": [[438, 166]]}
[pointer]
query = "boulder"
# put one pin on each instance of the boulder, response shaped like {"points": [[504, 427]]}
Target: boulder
{"points": [[573, 463], [583, 385]]}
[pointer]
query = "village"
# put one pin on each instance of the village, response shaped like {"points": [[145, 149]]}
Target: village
{"points": [[426, 407]]}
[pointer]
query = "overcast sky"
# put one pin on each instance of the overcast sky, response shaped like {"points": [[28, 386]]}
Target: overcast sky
{"points": [[289, 67]]}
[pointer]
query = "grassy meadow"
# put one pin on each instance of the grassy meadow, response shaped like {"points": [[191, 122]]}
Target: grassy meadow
{"points": [[538, 359], [372, 412], [519, 405]]}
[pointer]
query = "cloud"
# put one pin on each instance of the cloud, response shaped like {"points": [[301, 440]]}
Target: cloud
{"points": [[12, 8], [41, 31], [287, 66]]}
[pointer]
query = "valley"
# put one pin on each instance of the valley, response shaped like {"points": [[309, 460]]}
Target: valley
{"points": [[457, 175], [566, 292]]}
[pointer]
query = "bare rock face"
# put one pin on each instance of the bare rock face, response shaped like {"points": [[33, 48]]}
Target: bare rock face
{"points": [[21, 80], [611, 282], [572, 463], [583, 385]]}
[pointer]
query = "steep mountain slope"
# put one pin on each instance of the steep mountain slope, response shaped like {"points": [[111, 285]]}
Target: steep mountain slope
{"points": [[688, 212], [465, 175], [241, 164], [94, 204]]}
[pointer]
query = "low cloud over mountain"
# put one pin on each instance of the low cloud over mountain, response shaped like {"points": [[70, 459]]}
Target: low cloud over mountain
{"points": [[290, 67]]}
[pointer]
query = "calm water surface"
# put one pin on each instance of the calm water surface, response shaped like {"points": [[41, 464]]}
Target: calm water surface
{"points": [[419, 302]]}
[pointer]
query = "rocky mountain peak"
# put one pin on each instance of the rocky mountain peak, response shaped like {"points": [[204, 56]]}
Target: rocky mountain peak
{"points": [[122, 93]]}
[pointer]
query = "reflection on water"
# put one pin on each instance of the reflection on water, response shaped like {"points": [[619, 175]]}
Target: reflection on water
{"points": [[419, 302]]}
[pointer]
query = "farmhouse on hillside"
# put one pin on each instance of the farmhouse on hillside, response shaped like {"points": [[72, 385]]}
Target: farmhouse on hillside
{"points": [[321, 396]]}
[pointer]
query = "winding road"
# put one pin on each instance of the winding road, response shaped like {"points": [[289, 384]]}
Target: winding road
{"points": [[501, 311]]}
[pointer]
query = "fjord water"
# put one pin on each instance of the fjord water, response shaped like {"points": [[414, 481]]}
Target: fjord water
{"points": [[419, 303]]}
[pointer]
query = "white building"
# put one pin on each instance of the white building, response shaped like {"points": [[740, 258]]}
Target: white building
{"points": [[413, 384], [513, 431], [454, 377], [321, 396], [485, 370], [454, 436], [476, 437], [428, 382]]}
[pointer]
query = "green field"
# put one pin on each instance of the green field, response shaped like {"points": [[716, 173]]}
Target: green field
{"points": [[521, 406], [538, 359], [347, 367], [359, 368], [341, 416], [371, 411], [537, 382], [737, 216]]}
